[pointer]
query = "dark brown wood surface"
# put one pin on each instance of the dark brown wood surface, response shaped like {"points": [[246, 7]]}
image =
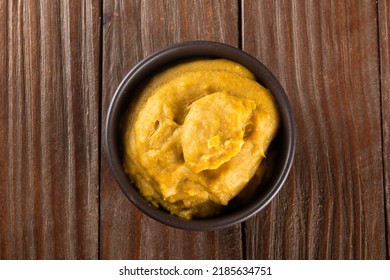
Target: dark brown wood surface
{"points": [[61, 61], [325, 54], [49, 129]]}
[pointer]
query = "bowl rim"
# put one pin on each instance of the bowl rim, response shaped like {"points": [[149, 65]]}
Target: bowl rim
{"points": [[176, 53]]}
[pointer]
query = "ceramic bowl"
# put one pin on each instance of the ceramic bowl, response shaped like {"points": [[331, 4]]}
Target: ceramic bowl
{"points": [[283, 145]]}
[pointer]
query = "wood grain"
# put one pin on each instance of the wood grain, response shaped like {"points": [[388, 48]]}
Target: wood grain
{"points": [[325, 53], [132, 30], [332, 57], [49, 122], [384, 41]]}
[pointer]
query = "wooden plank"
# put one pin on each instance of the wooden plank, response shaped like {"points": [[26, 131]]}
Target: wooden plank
{"points": [[325, 53], [49, 136], [384, 44], [132, 30]]}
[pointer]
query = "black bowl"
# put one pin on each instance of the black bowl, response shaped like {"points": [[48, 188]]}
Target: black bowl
{"points": [[283, 145]]}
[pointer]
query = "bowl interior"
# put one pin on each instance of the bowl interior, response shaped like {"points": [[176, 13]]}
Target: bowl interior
{"points": [[282, 146]]}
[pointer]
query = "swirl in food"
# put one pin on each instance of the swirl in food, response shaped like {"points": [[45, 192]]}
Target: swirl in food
{"points": [[197, 135]]}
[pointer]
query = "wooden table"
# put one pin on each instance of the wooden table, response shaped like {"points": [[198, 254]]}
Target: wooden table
{"points": [[61, 61]]}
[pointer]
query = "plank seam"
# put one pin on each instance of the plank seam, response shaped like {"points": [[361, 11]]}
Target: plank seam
{"points": [[100, 109], [382, 129], [240, 10], [239, 24]]}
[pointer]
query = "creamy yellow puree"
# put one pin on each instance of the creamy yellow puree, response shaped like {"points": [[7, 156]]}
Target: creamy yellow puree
{"points": [[197, 135]]}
